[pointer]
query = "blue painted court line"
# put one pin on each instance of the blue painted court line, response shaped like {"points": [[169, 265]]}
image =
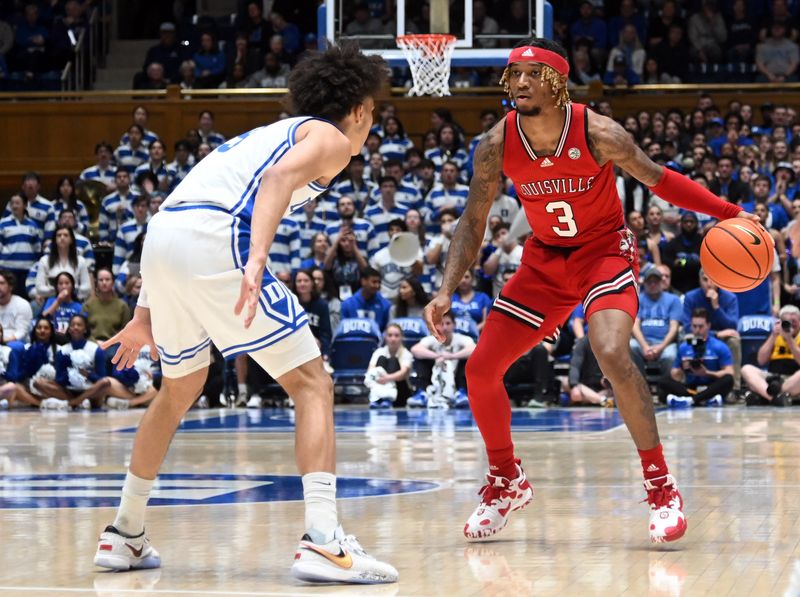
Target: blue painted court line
{"points": [[357, 420], [102, 490]]}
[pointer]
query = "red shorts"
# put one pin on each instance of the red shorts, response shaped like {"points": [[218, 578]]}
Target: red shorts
{"points": [[552, 281]]}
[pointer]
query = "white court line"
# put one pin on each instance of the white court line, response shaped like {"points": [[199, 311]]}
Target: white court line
{"points": [[291, 591]]}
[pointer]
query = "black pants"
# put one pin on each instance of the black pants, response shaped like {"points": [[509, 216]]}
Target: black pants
{"points": [[722, 386], [392, 365], [531, 368]]}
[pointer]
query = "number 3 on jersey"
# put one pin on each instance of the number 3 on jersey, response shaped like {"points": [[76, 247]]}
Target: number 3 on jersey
{"points": [[565, 217]]}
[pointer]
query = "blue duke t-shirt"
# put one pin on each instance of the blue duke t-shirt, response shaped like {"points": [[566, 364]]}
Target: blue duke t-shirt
{"points": [[474, 309], [654, 316]]}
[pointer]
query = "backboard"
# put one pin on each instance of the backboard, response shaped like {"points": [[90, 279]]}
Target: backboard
{"points": [[390, 18]]}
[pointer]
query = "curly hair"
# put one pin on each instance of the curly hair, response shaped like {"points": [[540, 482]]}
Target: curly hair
{"points": [[330, 84], [548, 74]]}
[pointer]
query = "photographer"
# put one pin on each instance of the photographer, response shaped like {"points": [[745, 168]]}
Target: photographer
{"points": [[704, 366], [781, 355]]}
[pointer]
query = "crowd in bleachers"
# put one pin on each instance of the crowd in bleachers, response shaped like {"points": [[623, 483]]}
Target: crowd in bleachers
{"points": [[61, 294], [37, 39], [335, 254], [617, 43]]}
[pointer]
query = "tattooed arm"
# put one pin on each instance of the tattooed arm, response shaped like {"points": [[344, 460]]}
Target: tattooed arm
{"points": [[488, 165], [608, 141]]}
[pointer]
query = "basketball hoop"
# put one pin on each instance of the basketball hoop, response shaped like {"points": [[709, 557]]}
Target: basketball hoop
{"points": [[428, 57]]}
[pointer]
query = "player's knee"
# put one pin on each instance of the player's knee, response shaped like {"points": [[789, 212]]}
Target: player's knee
{"points": [[479, 375]]}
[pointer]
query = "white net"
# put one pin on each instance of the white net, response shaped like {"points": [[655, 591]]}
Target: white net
{"points": [[428, 56]]}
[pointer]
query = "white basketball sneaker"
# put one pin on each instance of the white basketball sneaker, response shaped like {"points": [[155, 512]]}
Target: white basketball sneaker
{"points": [[667, 522], [341, 560], [118, 552], [500, 497]]}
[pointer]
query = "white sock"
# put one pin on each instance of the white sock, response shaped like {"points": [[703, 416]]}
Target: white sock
{"points": [[242, 388], [130, 516], [319, 493]]}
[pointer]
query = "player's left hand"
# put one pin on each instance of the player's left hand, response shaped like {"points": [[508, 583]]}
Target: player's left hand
{"points": [[748, 216], [250, 290]]}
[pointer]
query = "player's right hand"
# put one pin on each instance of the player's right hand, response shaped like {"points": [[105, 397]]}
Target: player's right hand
{"points": [[250, 291], [131, 338], [433, 315]]}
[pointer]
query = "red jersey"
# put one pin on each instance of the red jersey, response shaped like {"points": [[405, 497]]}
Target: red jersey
{"points": [[568, 198]]}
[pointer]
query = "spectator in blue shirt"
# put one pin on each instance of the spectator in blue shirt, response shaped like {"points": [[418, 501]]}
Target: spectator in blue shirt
{"points": [[209, 62], [61, 308], [468, 302], [721, 305], [288, 31], [702, 362], [31, 42], [723, 309], [589, 27], [657, 323], [368, 302], [627, 15], [20, 241]]}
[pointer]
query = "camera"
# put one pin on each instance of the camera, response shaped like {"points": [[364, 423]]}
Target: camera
{"points": [[699, 349], [786, 326]]}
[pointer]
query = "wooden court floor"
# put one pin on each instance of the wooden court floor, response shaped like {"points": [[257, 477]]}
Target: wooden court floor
{"points": [[228, 518]]}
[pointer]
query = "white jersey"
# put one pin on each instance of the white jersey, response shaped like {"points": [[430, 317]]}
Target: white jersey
{"points": [[229, 176]]}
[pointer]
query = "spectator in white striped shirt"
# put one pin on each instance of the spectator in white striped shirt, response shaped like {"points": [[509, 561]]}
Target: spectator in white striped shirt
{"points": [[354, 184], [448, 193], [205, 128], [157, 165], [384, 212], [38, 207], [140, 117], [126, 236], [132, 154], [183, 162], [362, 230], [20, 242], [395, 142], [103, 171], [66, 199], [284, 252], [308, 225], [116, 207]]}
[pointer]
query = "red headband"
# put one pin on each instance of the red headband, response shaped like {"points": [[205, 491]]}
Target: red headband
{"points": [[531, 54]]}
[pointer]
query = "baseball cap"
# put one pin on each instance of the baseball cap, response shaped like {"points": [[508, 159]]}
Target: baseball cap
{"points": [[717, 121], [652, 272], [167, 26]]}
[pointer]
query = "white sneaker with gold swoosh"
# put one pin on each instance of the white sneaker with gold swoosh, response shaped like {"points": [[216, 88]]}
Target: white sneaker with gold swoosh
{"points": [[117, 552], [341, 560]]}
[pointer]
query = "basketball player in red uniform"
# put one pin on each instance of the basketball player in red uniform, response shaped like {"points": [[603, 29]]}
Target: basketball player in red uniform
{"points": [[561, 157]]}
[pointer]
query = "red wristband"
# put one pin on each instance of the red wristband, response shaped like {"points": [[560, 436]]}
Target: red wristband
{"points": [[684, 192]]}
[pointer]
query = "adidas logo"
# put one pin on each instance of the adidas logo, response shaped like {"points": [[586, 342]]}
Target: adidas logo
{"points": [[546, 162], [528, 52], [652, 468]]}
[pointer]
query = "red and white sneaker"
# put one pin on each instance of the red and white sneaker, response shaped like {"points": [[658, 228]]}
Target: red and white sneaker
{"points": [[500, 497], [667, 522]]}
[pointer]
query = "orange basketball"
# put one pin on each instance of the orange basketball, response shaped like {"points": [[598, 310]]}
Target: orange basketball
{"points": [[737, 254]]}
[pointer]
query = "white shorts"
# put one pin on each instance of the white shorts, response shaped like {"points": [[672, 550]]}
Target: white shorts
{"points": [[192, 266]]}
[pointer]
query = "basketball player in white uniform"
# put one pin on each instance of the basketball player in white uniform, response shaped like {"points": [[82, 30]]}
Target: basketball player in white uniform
{"points": [[203, 265]]}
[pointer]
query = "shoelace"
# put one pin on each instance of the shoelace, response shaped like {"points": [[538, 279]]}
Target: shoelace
{"points": [[352, 544], [491, 491], [660, 497]]}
